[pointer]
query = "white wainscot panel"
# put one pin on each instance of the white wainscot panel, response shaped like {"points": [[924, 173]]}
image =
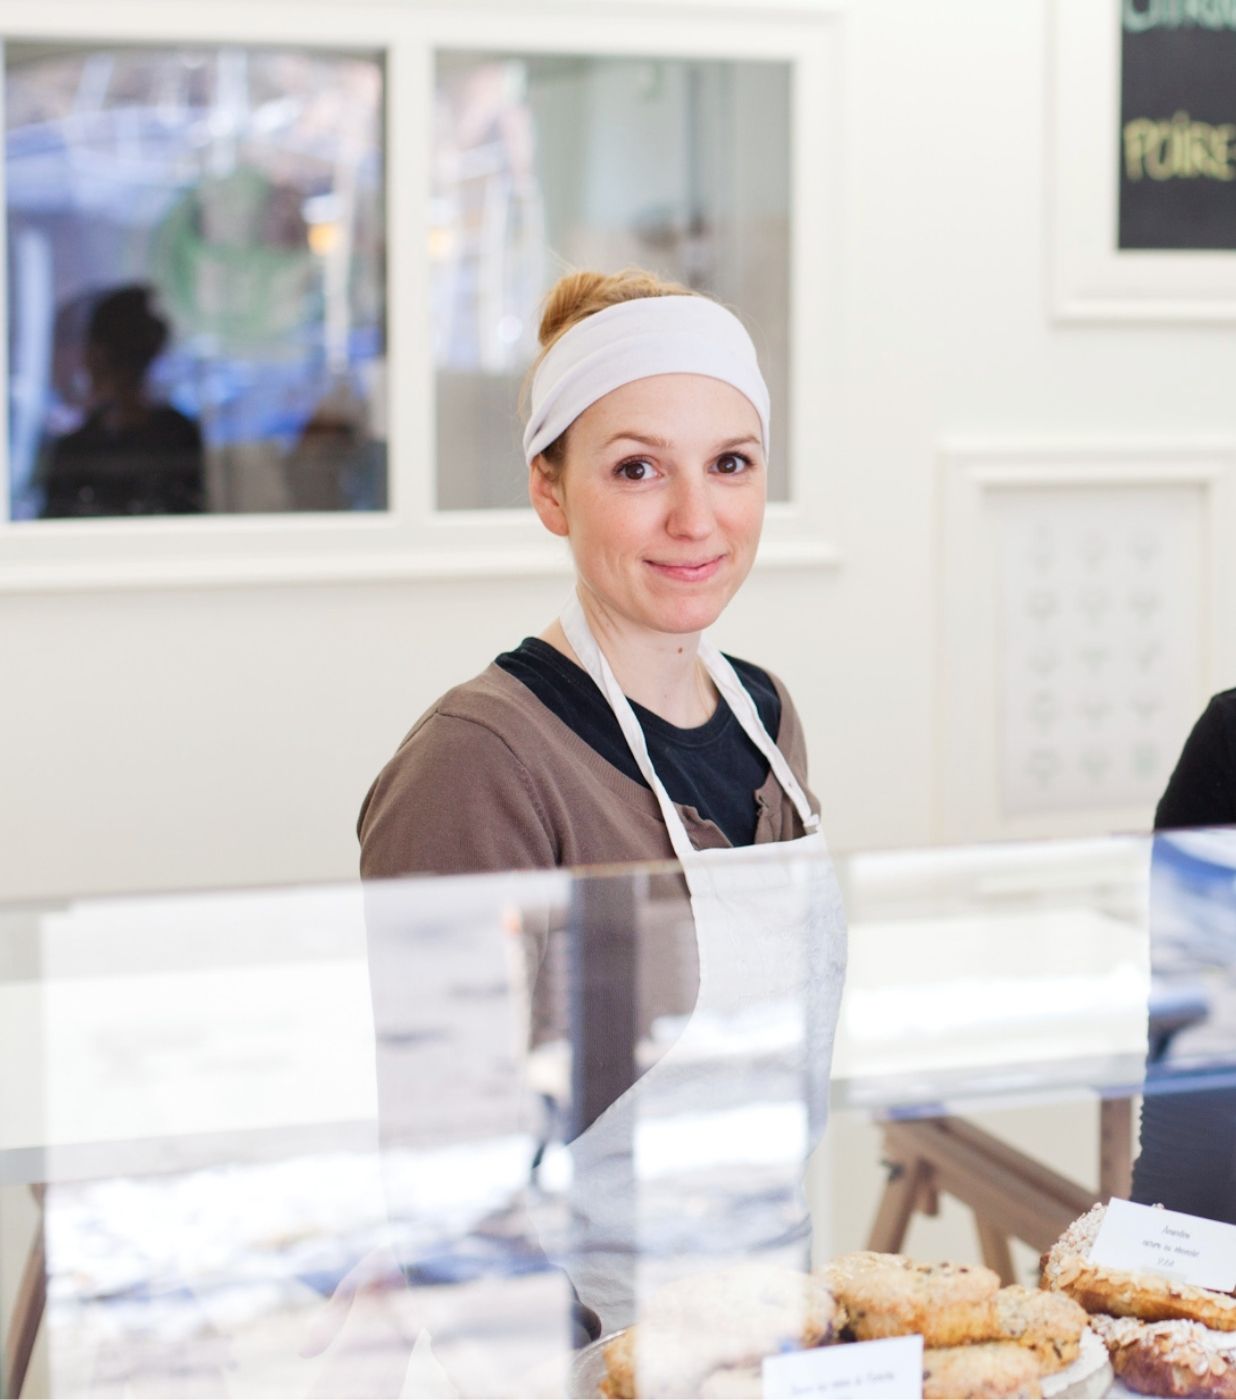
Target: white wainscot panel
{"points": [[1099, 619], [1084, 616]]}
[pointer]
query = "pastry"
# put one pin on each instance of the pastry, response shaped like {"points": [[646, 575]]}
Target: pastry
{"points": [[1170, 1358], [1049, 1324], [1122, 1293], [742, 1383], [693, 1332], [984, 1369], [888, 1295]]}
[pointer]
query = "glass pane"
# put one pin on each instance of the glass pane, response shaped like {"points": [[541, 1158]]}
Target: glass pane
{"points": [[196, 275], [548, 161], [425, 1137]]}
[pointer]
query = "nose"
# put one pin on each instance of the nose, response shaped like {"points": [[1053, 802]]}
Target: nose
{"points": [[691, 515]]}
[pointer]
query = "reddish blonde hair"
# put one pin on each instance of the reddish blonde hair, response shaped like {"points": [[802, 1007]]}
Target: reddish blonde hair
{"points": [[577, 295]]}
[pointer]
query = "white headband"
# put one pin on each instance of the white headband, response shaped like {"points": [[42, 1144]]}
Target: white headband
{"points": [[635, 340]]}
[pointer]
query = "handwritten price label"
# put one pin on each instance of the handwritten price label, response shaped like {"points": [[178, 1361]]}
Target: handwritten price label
{"points": [[885, 1370], [1165, 1242]]}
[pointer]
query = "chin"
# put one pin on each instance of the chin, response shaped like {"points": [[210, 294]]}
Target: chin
{"points": [[689, 616]]}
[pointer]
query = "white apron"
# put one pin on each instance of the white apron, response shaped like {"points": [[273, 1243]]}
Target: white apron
{"points": [[742, 1094]]}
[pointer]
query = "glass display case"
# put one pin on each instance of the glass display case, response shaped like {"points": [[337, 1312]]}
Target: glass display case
{"points": [[437, 1136]]}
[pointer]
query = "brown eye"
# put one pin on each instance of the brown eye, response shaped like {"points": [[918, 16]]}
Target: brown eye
{"points": [[638, 470], [732, 463]]}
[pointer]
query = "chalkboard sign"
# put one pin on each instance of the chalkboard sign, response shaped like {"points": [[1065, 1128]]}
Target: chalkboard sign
{"points": [[1178, 124]]}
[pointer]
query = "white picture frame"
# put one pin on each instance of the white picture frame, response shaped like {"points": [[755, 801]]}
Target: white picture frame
{"points": [[1091, 278]]}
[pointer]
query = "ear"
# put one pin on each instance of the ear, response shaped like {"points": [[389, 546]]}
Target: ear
{"points": [[546, 494]]}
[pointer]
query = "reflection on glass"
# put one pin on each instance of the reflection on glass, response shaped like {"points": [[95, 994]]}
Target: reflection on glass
{"points": [[544, 160], [977, 972], [134, 454], [232, 1208], [196, 281], [1188, 1125], [335, 1141]]}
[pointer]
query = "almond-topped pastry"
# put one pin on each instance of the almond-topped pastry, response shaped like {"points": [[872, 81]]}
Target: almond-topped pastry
{"points": [[1123, 1293], [995, 1369], [708, 1333], [888, 1295], [1170, 1358], [1049, 1324]]}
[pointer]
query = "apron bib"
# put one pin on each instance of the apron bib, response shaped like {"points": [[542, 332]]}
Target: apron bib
{"points": [[742, 1094]]}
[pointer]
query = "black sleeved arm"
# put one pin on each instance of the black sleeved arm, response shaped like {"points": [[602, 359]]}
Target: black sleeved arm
{"points": [[1202, 790]]}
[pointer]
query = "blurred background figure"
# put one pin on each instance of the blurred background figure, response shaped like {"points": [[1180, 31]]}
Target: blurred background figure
{"points": [[133, 455]]}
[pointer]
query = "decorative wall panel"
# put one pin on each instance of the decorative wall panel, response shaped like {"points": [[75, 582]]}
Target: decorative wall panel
{"points": [[1098, 626], [1085, 615]]}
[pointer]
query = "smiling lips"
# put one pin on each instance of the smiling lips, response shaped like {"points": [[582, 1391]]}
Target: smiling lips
{"points": [[688, 573]]}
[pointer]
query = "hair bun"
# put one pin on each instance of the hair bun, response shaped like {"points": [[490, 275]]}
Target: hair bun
{"points": [[570, 298], [580, 294]]}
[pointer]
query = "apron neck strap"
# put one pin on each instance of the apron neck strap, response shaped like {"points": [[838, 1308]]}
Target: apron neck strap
{"points": [[592, 658], [738, 697]]}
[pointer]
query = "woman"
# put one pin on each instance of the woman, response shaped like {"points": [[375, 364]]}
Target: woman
{"points": [[646, 449], [133, 455], [621, 734]]}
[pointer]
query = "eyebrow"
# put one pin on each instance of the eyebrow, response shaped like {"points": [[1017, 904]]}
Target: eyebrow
{"points": [[664, 444]]}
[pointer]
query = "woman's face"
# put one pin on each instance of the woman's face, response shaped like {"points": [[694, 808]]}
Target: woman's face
{"points": [[662, 499]]}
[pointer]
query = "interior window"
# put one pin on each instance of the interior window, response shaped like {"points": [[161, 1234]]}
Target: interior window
{"points": [[543, 162], [196, 277]]}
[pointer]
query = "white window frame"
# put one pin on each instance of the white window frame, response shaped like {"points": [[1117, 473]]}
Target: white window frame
{"points": [[412, 539]]}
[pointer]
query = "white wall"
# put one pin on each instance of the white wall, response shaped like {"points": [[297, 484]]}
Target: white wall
{"points": [[226, 735]]}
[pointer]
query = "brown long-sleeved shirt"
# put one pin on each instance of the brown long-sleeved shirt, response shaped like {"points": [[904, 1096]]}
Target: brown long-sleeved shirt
{"points": [[490, 779]]}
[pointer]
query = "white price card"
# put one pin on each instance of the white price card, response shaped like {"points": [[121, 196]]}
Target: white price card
{"points": [[1182, 1247], [886, 1370]]}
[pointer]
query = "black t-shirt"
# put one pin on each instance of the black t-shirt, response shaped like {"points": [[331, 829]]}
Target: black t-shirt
{"points": [[1202, 790], [714, 767], [152, 468]]}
